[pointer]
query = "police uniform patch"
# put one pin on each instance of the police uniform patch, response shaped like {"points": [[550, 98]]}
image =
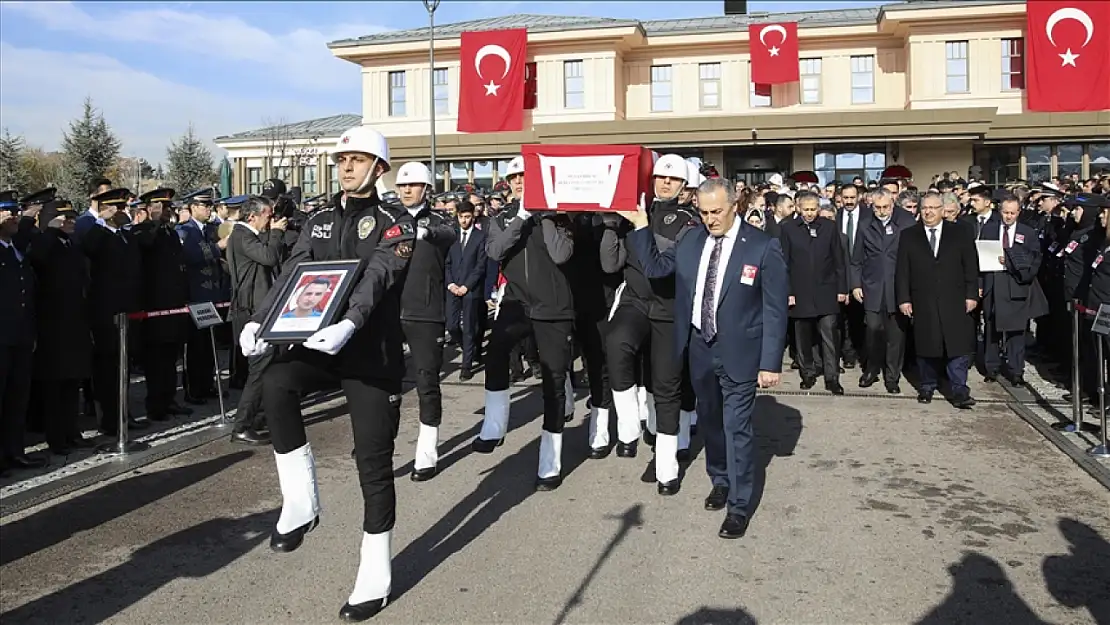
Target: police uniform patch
{"points": [[423, 223], [366, 226], [669, 219], [1083, 239], [403, 250]]}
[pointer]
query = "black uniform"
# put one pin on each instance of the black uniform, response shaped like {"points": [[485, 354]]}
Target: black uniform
{"points": [[370, 367], [17, 341], [592, 288]]}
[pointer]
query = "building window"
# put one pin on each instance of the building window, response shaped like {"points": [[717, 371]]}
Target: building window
{"points": [[1069, 160], [285, 174], [460, 173], [759, 96], [863, 80], [308, 180], [1000, 164], [1038, 162], [441, 176], [660, 88], [843, 165], [574, 85], [333, 179], [810, 70], [1013, 64], [254, 180], [439, 84], [955, 67], [396, 94], [1099, 155], [483, 174], [709, 77], [529, 86]]}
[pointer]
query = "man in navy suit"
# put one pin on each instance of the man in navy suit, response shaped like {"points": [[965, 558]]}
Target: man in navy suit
{"points": [[465, 274], [730, 317]]}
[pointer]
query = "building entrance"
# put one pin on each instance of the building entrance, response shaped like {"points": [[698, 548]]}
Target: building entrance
{"points": [[755, 164]]}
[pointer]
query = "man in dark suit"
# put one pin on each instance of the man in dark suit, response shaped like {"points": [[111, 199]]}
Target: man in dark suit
{"points": [[873, 265], [1012, 297], [465, 275], [852, 218], [937, 286], [730, 317]]}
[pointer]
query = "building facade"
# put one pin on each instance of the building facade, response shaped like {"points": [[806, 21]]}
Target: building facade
{"points": [[929, 84]]}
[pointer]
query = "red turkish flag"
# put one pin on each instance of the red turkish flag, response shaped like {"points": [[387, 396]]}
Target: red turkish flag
{"points": [[774, 50], [491, 90], [1068, 51]]}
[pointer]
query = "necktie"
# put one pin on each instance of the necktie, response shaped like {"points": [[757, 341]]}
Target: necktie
{"points": [[933, 240], [1005, 237], [465, 235], [708, 307], [851, 230]]}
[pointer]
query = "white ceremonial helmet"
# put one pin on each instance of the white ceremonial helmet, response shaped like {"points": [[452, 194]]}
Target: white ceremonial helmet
{"points": [[670, 166], [362, 139], [516, 166], [414, 173]]}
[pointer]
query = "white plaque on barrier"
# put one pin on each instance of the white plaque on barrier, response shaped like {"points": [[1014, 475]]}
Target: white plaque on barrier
{"points": [[204, 315], [1101, 324]]}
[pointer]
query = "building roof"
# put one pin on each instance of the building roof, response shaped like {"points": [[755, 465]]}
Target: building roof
{"points": [[332, 126], [721, 23]]}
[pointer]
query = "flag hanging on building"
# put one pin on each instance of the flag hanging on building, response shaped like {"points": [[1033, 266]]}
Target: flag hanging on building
{"points": [[1068, 55], [491, 88], [774, 53]]}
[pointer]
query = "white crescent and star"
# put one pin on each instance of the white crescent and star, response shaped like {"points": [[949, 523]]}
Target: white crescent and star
{"points": [[1069, 13], [772, 28], [494, 50]]}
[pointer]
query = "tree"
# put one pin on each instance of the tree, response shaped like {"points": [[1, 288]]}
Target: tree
{"points": [[189, 163], [277, 138], [12, 174], [89, 149], [43, 169]]}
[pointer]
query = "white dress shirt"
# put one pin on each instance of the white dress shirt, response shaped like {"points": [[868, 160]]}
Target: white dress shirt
{"points": [[703, 268], [855, 223], [464, 237], [7, 244], [1005, 231], [940, 229]]}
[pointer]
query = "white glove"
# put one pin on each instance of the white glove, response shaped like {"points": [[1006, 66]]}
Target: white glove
{"points": [[523, 213], [249, 341], [332, 338], [421, 233]]}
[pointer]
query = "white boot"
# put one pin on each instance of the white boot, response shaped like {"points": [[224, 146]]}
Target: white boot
{"points": [[642, 402], [300, 497], [694, 416], [568, 412], [375, 577], [551, 455], [427, 452], [627, 406], [496, 422], [651, 427], [599, 428], [685, 418], [666, 458]]}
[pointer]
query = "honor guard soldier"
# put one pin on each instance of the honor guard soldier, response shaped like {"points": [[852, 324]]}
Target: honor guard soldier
{"points": [[422, 306], [643, 318], [532, 251], [362, 352], [63, 348], [205, 277]]}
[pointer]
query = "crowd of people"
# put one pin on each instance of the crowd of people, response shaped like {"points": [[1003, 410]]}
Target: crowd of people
{"points": [[679, 310]]}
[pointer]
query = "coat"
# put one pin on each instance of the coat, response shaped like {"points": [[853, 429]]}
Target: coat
{"points": [[164, 282], [467, 267], [202, 263], [1013, 297], [938, 287], [115, 269], [253, 261], [876, 260], [814, 256], [63, 350]]}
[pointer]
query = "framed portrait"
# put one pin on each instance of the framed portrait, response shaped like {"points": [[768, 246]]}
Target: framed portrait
{"points": [[313, 296]]}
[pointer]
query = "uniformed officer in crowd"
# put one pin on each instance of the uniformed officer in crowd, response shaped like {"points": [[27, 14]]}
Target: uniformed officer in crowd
{"points": [[1082, 241], [205, 279], [532, 251], [1098, 292], [362, 352], [88, 219], [422, 305]]}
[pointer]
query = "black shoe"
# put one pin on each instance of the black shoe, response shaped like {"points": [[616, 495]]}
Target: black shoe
{"points": [[284, 543], [1017, 381], [568, 418], [423, 475], [482, 446], [138, 423], [537, 371], [59, 450], [807, 383], [465, 374], [734, 526], [597, 453], [249, 437], [993, 377], [717, 498], [649, 438], [849, 364], [794, 365], [668, 488], [548, 483], [79, 442], [834, 387], [963, 402], [178, 410], [196, 401], [925, 397], [893, 389], [867, 380], [626, 450], [362, 611], [693, 430], [160, 417], [683, 456]]}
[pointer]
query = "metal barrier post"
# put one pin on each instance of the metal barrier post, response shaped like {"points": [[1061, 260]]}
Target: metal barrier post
{"points": [[1101, 450], [219, 387], [1076, 399], [123, 445]]}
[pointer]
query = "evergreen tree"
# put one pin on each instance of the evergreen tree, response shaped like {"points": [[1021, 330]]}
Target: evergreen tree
{"points": [[12, 173], [189, 163], [89, 150]]}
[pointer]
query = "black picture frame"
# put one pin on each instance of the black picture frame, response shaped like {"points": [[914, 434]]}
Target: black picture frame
{"points": [[283, 324]]}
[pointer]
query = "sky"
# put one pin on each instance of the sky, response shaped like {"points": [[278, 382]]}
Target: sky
{"points": [[153, 69]]}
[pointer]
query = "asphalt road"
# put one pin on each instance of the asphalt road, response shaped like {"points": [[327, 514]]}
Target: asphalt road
{"points": [[872, 510]]}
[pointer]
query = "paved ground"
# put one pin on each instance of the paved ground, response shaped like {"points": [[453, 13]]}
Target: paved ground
{"points": [[874, 511]]}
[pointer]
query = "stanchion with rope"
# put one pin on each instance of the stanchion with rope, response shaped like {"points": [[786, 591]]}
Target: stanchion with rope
{"points": [[123, 445], [1076, 401], [1100, 327]]}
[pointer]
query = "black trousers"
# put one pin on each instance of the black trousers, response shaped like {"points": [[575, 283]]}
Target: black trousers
{"points": [[61, 400], [106, 375], [553, 341], [160, 367], [628, 331], [996, 341], [249, 414], [886, 344], [590, 333], [425, 341], [807, 331], [375, 407], [464, 321], [200, 366], [853, 332], [16, 363]]}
